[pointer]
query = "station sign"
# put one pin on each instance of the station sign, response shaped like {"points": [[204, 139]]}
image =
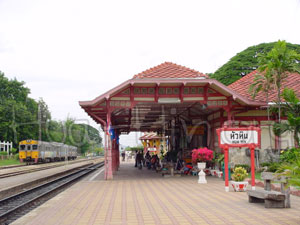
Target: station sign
{"points": [[239, 137]]}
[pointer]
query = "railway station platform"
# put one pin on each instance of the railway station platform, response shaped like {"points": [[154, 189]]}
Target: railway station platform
{"points": [[145, 197]]}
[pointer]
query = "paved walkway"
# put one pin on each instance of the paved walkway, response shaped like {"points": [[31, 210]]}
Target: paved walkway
{"points": [[144, 197]]}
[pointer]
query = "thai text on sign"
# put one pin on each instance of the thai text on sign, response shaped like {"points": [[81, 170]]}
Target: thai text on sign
{"points": [[239, 137]]}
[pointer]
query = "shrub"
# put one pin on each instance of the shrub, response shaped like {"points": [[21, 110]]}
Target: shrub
{"points": [[289, 155], [265, 164], [273, 167], [16, 156], [245, 166], [3, 153], [14, 151], [239, 174]]}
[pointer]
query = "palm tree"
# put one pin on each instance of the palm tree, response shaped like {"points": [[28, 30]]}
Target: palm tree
{"points": [[262, 82], [277, 64], [291, 108]]}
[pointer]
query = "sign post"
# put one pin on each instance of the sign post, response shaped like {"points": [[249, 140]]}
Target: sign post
{"points": [[239, 137]]}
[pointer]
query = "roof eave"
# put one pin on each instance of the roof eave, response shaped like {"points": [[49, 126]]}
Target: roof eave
{"points": [[159, 81]]}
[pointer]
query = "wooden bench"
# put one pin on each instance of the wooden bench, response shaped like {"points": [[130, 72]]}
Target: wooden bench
{"points": [[272, 199]]}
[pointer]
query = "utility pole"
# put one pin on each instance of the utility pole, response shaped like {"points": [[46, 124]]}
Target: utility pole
{"points": [[40, 122]]}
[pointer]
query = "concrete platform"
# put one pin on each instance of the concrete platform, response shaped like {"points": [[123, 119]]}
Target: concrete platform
{"points": [[10, 182], [145, 197]]}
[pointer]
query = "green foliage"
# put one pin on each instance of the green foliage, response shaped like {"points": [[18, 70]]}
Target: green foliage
{"points": [[138, 148], [271, 166], [220, 158], [14, 151], [3, 153], [245, 166], [99, 151], [292, 171], [24, 118], [16, 156], [277, 64], [239, 174], [245, 62], [291, 109], [289, 155]]}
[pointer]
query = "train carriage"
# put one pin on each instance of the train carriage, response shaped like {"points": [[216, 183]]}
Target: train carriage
{"points": [[32, 151]]}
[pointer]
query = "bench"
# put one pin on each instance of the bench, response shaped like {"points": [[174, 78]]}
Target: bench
{"points": [[272, 199]]}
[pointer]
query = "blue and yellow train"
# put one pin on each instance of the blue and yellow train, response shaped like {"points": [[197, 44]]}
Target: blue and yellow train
{"points": [[32, 151]]}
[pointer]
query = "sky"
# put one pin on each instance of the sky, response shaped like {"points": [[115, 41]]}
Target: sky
{"points": [[72, 50]]}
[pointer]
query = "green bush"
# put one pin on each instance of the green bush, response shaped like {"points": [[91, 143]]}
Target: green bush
{"points": [[3, 153], [289, 155], [14, 151], [245, 166], [265, 164], [16, 156], [273, 167]]}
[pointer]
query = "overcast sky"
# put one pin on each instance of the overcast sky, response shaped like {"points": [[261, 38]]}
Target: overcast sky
{"points": [[72, 50]]}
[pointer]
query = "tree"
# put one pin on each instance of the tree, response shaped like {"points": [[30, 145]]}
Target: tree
{"points": [[291, 108], [264, 83], [277, 64], [245, 62]]}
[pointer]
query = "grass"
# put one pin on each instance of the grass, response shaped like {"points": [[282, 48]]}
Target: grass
{"points": [[257, 175], [7, 162]]}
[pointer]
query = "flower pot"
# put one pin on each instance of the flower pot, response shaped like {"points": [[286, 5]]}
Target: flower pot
{"points": [[202, 179], [201, 165], [239, 185]]}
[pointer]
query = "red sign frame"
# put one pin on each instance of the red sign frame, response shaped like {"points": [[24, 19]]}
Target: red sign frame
{"points": [[252, 147], [251, 128]]}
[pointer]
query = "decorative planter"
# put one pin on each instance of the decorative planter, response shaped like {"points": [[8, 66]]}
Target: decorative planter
{"points": [[202, 179], [239, 185]]}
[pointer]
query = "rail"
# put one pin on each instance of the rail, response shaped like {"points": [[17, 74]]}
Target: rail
{"points": [[11, 207]]}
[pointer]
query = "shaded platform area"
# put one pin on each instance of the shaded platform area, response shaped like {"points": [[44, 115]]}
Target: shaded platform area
{"points": [[145, 197]]}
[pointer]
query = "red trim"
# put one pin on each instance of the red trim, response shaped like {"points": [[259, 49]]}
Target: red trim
{"points": [[251, 128]]}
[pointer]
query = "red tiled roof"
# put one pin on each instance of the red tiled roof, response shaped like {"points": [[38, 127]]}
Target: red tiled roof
{"points": [[169, 70], [242, 86]]}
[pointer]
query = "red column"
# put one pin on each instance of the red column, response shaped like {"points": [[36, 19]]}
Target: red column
{"points": [[252, 149], [108, 168], [226, 149]]}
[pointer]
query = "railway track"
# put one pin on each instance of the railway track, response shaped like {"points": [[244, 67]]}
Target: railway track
{"points": [[19, 204], [15, 173]]}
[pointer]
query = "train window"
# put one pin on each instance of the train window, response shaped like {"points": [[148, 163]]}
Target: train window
{"points": [[22, 147], [34, 147], [28, 147]]}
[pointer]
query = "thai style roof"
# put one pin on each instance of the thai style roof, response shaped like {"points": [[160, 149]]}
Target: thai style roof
{"points": [[181, 79], [242, 86], [151, 97], [170, 70]]}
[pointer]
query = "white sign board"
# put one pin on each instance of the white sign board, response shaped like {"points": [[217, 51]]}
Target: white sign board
{"points": [[239, 137]]}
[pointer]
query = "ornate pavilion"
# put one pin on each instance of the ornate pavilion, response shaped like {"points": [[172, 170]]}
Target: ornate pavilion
{"points": [[184, 105]]}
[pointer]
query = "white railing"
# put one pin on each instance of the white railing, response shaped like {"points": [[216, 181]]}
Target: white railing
{"points": [[6, 147]]}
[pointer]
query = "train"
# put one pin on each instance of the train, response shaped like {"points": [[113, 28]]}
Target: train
{"points": [[33, 151]]}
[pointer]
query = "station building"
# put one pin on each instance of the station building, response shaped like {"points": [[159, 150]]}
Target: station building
{"points": [[187, 107]]}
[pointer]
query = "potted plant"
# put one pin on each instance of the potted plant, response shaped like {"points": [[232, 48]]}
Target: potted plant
{"points": [[201, 156], [238, 176]]}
